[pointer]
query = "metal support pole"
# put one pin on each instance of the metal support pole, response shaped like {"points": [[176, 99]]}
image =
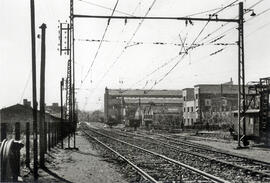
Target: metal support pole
{"points": [[61, 101], [72, 57], [241, 75], [33, 39], [42, 97], [155, 18], [106, 107]]}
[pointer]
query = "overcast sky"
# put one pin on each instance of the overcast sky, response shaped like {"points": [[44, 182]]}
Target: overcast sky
{"points": [[118, 65]]}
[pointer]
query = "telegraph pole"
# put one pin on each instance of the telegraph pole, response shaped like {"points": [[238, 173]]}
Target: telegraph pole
{"points": [[34, 90], [42, 98]]}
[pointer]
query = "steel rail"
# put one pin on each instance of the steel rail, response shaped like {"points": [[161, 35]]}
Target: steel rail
{"points": [[210, 158], [202, 147], [213, 159], [208, 148], [207, 175], [140, 171], [156, 18]]}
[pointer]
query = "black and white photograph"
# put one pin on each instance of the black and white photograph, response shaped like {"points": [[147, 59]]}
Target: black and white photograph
{"points": [[135, 91]]}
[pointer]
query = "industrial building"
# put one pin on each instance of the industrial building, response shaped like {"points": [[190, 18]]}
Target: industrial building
{"points": [[210, 104], [123, 105]]}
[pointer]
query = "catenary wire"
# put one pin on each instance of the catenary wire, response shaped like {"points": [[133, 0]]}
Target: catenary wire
{"points": [[103, 36], [128, 43], [104, 7], [25, 86], [214, 53]]}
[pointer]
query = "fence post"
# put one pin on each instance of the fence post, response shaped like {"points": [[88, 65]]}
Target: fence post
{"points": [[27, 145], [45, 137], [17, 131], [53, 130], [55, 140], [58, 132], [55, 134], [3, 131], [49, 136], [17, 137]]}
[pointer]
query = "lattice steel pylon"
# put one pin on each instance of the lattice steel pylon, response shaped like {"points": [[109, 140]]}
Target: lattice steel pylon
{"points": [[66, 44], [241, 77], [68, 93]]}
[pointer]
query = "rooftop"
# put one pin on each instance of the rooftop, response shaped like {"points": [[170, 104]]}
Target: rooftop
{"points": [[145, 93]]}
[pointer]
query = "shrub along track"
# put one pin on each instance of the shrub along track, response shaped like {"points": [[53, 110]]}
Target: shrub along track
{"points": [[150, 165]]}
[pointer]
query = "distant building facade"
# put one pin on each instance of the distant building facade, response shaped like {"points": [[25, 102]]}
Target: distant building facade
{"points": [[210, 104], [123, 105], [189, 113], [54, 109]]}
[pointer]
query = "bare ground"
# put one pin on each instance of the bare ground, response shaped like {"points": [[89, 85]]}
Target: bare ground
{"points": [[84, 165]]}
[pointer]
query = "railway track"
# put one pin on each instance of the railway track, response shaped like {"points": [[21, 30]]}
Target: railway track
{"points": [[251, 165], [230, 167], [152, 166]]}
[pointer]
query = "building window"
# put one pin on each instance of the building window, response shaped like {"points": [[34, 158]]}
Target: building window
{"points": [[187, 109], [184, 98], [207, 102], [188, 121], [191, 120], [191, 109], [196, 96]]}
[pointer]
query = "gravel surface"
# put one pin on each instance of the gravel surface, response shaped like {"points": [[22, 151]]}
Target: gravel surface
{"points": [[220, 170], [259, 153], [84, 166]]}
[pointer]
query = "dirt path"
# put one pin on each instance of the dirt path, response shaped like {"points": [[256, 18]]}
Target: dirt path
{"points": [[84, 165]]}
